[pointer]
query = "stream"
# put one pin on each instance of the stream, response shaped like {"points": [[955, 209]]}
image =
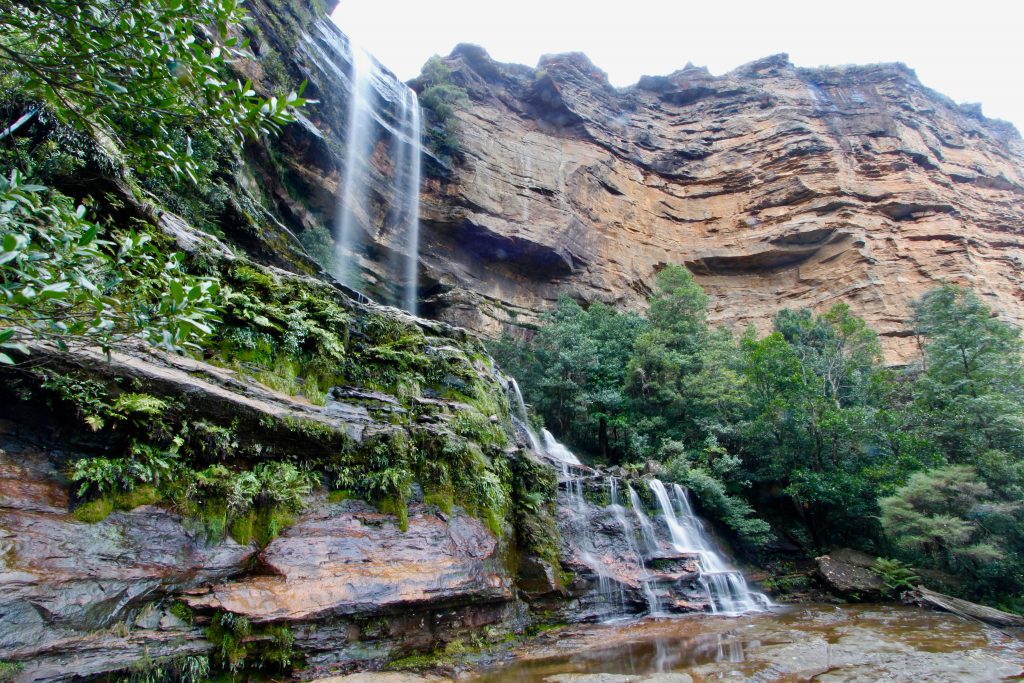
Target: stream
{"points": [[797, 643]]}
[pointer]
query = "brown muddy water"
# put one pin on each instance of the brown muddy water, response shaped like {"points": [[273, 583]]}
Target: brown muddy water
{"points": [[826, 643]]}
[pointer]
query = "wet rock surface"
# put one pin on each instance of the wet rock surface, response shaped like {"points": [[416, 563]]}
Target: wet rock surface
{"points": [[814, 642], [348, 558], [71, 591]]}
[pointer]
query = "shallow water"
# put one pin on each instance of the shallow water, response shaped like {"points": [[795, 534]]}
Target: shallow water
{"points": [[809, 642]]}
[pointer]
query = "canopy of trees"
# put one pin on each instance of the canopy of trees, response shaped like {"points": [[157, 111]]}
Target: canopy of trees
{"points": [[805, 427]]}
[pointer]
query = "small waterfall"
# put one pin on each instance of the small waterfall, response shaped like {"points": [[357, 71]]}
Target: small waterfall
{"points": [[650, 538], [520, 417], [727, 590], [557, 451], [627, 530], [660, 570]]}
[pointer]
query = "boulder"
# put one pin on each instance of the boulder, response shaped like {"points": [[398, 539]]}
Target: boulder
{"points": [[848, 573]]}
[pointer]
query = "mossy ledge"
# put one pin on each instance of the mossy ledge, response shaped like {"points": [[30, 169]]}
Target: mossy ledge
{"points": [[305, 412]]}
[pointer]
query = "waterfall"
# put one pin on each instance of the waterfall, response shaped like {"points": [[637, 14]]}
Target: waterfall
{"points": [[627, 530], [650, 538], [727, 590], [372, 89], [358, 147], [557, 450], [520, 417], [412, 161], [652, 567]]}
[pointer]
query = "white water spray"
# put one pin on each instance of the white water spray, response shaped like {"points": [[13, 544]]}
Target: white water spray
{"points": [[727, 590], [371, 88], [412, 159], [358, 145]]}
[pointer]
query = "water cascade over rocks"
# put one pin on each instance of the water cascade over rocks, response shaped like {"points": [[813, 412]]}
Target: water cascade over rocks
{"points": [[727, 589], [373, 90], [628, 562]]}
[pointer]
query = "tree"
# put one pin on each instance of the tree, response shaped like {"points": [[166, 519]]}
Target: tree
{"points": [[972, 387], [61, 281], [132, 73], [668, 356], [574, 374], [942, 514]]}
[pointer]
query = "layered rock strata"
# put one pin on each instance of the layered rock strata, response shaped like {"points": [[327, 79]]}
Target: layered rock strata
{"points": [[777, 186]]}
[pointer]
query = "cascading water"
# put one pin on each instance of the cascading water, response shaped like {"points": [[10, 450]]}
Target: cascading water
{"points": [[727, 590], [650, 538], [367, 123], [358, 143], [634, 557], [411, 200], [557, 450], [520, 417], [627, 530]]}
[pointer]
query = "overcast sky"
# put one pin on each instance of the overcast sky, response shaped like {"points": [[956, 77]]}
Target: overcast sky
{"points": [[971, 50]]}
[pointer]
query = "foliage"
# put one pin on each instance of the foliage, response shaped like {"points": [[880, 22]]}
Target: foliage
{"points": [[705, 480], [184, 669], [804, 426], [133, 73], [240, 646], [145, 464], [61, 281], [896, 575], [10, 670], [439, 98], [319, 244], [972, 388], [948, 515]]}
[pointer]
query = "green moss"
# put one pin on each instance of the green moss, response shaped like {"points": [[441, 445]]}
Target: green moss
{"points": [[339, 496], [94, 511], [443, 499], [140, 495], [183, 612], [269, 523], [534, 493], [242, 529], [395, 506], [10, 670]]}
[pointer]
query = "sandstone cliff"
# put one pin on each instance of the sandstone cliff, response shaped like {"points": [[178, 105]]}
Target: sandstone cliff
{"points": [[777, 186]]}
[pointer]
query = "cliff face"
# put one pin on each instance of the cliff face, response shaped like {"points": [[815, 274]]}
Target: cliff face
{"points": [[777, 186]]}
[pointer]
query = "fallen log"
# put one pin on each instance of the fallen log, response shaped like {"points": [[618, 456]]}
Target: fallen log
{"points": [[971, 610]]}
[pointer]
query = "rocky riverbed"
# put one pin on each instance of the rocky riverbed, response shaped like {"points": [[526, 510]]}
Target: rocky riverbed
{"points": [[799, 643]]}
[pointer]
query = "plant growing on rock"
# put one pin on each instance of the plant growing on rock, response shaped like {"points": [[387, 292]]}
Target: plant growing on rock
{"points": [[146, 464], [131, 73], [439, 97], [896, 575], [62, 282]]}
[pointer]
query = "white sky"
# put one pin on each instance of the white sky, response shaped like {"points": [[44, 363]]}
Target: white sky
{"points": [[971, 50]]}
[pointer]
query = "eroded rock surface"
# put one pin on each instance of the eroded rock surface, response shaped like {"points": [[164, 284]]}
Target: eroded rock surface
{"points": [[347, 558], [777, 186], [70, 591]]}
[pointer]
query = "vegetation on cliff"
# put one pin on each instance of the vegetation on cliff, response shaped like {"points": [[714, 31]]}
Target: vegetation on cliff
{"points": [[805, 428], [89, 258]]}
